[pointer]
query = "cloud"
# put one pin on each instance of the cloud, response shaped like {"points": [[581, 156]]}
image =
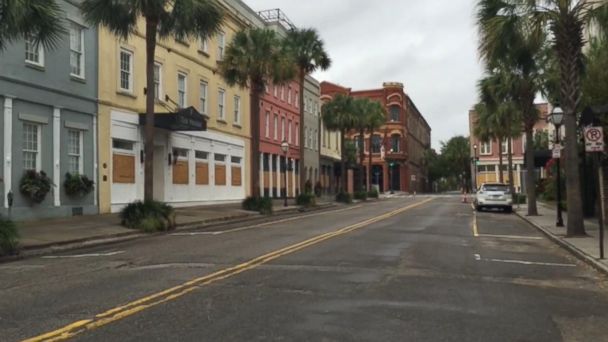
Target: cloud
{"points": [[429, 46]]}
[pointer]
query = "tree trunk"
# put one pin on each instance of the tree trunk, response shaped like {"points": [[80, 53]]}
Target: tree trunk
{"points": [[257, 88], [369, 151], [151, 29], [343, 155], [510, 166], [302, 76], [501, 179], [362, 157], [530, 173], [568, 43]]}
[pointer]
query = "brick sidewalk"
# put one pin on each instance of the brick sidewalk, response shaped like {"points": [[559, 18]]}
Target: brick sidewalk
{"points": [[586, 247]]}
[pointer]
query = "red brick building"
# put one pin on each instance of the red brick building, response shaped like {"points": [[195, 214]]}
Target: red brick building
{"points": [[391, 143], [280, 121]]}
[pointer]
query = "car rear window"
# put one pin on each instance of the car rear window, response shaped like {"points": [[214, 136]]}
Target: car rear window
{"points": [[495, 187]]}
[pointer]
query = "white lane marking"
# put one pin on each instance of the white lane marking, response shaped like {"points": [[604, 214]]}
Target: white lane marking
{"points": [[91, 255], [511, 237], [522, 262], [262, 224]]}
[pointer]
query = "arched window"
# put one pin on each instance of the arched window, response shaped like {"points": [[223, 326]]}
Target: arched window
{"points": [[396, 143], [376, 143], [395, 113]]}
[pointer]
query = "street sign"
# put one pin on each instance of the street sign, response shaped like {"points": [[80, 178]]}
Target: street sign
{"points": [[594, 139], [557, 151]]}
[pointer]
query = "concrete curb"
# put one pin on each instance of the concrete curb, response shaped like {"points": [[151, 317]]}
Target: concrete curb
{"points": [[568, 246], [98, 241]]}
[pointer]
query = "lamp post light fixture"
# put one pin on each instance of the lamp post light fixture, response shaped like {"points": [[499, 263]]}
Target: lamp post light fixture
{"points": [[285, 149], [475, 167], [556, 118]]}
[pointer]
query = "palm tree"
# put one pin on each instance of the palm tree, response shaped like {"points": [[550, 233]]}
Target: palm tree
{"points": [[183, 19], [41, 20], [375, 118], [509, 40], [338, 116], [360, 108], [309, 55], [254, 59]]}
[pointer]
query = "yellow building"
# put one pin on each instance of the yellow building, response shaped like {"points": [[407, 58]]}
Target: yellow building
{"points": [[190, 167]]}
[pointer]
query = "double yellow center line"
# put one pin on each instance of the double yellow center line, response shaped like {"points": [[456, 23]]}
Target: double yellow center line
{"points": [[175, 292]]}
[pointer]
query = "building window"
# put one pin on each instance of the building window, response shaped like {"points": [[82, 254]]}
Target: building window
{"points": [[124, 145], [77, 50], [31, 146], [395, 143], [289, 131], [316, 140], [276, 91], [297, 134], [267, 125], [305, 137], [201, 155], [221, 158], [504, 146], [34, 53], [157, 81], [182, 90], [126, 70], [221, 45], [289, 95], [221, 98], [282, 93], [276, 127], [235, 160], [395, 113], [203, 96], [486, 148], [376, 144], [75, 151], [237, 110], [203, 45], [283, 129], [297, 100]]}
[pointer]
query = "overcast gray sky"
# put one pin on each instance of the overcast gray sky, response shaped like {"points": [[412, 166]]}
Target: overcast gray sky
{"points": [[430, 46]]}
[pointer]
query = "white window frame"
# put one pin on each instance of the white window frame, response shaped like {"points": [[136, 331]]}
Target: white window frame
{"points": [[221, 104], [29, 42], [283, 128], [289, 123], [489, 148], [505, 146], [221, 45], [305, 137], [203, 92], [276, 90], [79, 29], [267, 125], [203, 45], [38, 147], [80, 149], [237, 109], [297, 134], [276, 127], [289, 95], [182, 102], [158, 86], [282, 93], [130, 71], [297, 99]]}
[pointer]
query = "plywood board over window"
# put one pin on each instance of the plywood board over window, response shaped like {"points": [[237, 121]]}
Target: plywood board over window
{"points": [[202, 173], [236, 176], [123, 169], [220, 174], [180, 172]]}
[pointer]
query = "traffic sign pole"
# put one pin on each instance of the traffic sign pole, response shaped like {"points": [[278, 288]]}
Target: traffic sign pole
{"points": [[594, 143]]}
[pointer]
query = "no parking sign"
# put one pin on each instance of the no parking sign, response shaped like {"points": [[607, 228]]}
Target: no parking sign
{"points": [[594, 139]]}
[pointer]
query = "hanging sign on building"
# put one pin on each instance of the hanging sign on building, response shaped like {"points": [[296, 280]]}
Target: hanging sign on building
{"points": [[594, 139]]}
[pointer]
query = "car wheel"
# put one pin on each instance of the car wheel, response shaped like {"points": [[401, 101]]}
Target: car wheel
{"points": [[478, 208]]}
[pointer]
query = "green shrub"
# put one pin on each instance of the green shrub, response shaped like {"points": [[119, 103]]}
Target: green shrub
{"points": [[77, 185], [308, 187], [263, 205], [306, 200], [9, 237], [373, 194], [318, 189], [35, 185], [148, 216], [344, 197], [361, 195]]}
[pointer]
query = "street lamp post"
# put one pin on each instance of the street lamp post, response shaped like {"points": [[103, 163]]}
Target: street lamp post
{"points": [[556, 117], [475, 167], [285, 149], [390, 174]]}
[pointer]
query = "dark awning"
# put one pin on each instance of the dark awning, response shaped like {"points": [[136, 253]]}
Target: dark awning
{"points": [[187, 119]]}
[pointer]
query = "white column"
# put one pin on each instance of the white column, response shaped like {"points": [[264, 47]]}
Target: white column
{"points": [[261, 174], [95, 162], [56, 156], [278, 175], [8, 139], [270, 180]]}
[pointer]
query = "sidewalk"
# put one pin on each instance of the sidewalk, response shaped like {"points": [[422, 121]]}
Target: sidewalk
{"points": [[72, 230], [585, 248]]}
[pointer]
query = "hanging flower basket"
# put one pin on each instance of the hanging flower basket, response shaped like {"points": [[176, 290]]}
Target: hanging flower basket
{"points": [[35, 185], [77, 185]]}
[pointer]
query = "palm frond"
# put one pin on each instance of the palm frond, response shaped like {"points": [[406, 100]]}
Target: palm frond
{"points": [[41, 20], [119, 17], [307, 49]]}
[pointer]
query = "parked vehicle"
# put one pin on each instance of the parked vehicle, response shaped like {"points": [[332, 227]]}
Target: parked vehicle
{"points": [[494, 195]]}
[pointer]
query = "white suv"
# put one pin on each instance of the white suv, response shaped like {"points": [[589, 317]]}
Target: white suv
{"points": [[494, 195]]}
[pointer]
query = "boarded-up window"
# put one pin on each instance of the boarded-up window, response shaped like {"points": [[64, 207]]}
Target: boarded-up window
{"points": [[123, 169], [220, 174], [180, 172], [202, 173], [236, 176]]}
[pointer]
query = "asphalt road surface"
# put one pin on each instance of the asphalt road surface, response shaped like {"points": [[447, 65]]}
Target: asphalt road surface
{"points": [[405, 269]]}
